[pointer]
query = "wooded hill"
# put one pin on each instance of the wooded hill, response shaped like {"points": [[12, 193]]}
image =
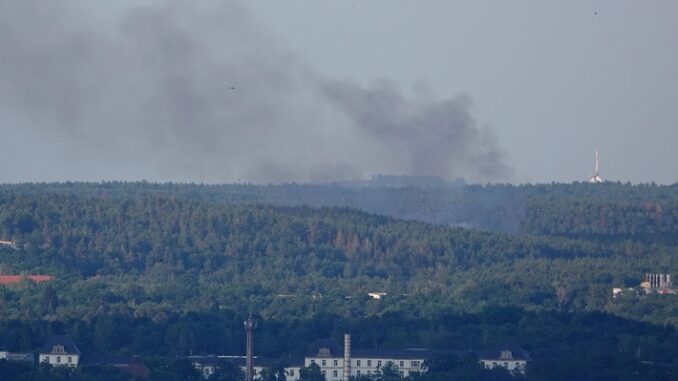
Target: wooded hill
{"points": [[645, 211], [138, 241], [181, 265]]}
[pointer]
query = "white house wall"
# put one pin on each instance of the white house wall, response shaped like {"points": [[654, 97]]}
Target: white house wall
{"points": [[511, 365], [333, 367], [62, 359]]}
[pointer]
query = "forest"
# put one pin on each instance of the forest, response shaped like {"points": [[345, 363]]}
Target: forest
{"points": [[610, 208], [164, 270]]}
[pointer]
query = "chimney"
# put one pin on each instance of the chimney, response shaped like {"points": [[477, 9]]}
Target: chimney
{"points": [[250, 324], [347, 357]]}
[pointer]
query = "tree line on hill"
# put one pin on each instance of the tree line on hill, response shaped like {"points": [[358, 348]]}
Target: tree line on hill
{"points": [[611, 209], [151, 253], [160, 269]]}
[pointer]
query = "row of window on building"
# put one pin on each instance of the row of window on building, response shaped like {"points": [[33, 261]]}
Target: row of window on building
{"points": [[57, 359], [358, 363], [335, 373]]}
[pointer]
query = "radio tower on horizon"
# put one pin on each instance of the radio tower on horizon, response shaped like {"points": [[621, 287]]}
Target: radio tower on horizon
{"points": [[595, 179]]}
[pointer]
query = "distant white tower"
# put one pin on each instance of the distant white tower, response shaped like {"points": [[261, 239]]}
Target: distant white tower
{"points": [[595, 179]]}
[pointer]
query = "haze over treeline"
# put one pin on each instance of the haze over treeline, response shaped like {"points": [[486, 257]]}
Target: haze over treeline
{"points": [[201, 92]]}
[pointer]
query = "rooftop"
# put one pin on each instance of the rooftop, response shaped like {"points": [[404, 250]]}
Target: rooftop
{"points": [[62, 340], [501, 352], [212, 360], [10, 279]]}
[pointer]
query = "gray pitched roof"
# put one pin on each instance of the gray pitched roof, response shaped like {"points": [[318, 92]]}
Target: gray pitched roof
{"points": [[27, 357], [338, 351], [65, 340], [334, 348], [404, 354], [241, 361], [517, 353]]}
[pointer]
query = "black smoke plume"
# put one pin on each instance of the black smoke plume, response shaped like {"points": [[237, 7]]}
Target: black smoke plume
{"points": [[195, 91]]}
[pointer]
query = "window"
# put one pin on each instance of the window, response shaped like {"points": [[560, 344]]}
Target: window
{"points": [[324, 372], [58, 359], [505, 364], [414, 364], [357, 373], [312, 361], [324, 352], [324, 363], [402, 364], [335, 373], [336, 362], [58, 349], [379, 363], [46, 359], [357, 363], [494, 363], [292, 372], [369, 362], [70, 359], [506, 355]]}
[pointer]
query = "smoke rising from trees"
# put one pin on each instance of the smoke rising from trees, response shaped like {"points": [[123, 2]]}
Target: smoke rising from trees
{"points": [[198, 92]]}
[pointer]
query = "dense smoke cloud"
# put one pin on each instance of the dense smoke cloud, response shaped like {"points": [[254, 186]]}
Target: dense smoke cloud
{"points": [[420, 136], [187, 91]]}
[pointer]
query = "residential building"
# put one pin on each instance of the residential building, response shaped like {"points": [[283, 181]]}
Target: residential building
{"points": [[508, 356], [60, 351]]}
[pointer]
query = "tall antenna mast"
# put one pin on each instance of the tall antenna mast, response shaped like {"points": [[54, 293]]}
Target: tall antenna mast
{"points": [[250, 324], [595, 179]]}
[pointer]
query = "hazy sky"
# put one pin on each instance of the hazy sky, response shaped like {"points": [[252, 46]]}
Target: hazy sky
{"points": [[519, 91]]}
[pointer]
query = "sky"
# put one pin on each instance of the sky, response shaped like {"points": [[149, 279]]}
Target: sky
{"points": [[314, 91]]}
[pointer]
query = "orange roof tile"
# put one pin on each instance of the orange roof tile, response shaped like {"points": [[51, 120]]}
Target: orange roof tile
{"points": [[9, 279]]}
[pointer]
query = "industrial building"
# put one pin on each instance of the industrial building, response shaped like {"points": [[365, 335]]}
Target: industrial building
{"points": [[656, 282], [335, 364], [335, 361]]}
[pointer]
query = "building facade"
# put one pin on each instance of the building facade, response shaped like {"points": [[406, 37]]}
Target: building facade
{"points": [[336, 363], [512, 358], [22, 356], [208, 365], [60, 351]]}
